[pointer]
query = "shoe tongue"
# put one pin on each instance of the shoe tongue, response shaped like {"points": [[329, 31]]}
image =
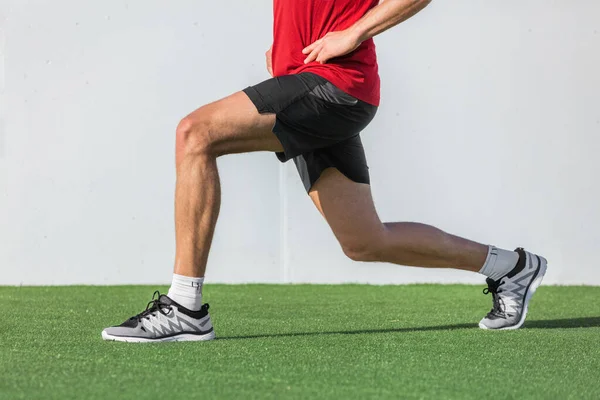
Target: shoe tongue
{"points": [[166, 300]]}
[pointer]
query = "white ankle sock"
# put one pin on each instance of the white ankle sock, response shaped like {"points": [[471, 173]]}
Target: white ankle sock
{"points": [[186, 291], [499, 263]]}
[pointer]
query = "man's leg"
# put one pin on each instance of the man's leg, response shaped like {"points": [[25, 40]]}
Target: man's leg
{"points": [[348, 208], [231, 125], [364, 237]]}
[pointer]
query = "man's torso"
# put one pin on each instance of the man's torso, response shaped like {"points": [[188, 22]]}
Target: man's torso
{"points": [[298, 23]]}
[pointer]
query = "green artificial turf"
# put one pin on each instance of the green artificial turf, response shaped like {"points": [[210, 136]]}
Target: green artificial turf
{"points": [[304, 341]]}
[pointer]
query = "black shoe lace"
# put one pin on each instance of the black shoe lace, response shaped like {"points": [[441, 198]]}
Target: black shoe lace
{"points": [[499, 308], [153, 307]]}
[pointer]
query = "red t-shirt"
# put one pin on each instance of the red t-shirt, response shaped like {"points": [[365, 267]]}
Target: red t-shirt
{"points": [[299, 23]]}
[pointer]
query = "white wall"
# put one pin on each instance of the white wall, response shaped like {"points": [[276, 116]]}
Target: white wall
{"points": [[489, 128]]}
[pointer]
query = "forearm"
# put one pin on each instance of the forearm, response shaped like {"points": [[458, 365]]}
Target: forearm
{"points": [[386, 15]]}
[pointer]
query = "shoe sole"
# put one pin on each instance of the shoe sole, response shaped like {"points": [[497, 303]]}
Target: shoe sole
{"points": [[543, 264], [184, 337]]}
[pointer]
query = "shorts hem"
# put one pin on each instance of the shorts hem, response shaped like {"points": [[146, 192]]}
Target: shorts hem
{"points": [[257, 100], [288, 152]]}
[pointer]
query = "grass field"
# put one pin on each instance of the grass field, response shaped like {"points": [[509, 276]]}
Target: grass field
{"points": [[279, 342]]}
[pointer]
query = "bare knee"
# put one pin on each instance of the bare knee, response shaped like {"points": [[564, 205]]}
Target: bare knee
{"points": [[360, 249], [193, 135]]}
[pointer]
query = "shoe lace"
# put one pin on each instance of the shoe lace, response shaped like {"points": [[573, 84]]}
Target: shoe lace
{"points": [[153, 307], [498, 308]]}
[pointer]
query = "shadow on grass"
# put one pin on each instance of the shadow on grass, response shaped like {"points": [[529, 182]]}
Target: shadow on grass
{"points": [[585, 322]]}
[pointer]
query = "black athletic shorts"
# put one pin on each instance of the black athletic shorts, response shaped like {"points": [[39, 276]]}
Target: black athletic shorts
{"points": [[317, 124]]}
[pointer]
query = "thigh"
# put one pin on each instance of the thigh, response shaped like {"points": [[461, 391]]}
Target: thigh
{"points": [[234, 125], [347, 207]]}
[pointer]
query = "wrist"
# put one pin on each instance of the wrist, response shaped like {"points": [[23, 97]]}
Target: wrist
{"points": [[358, 34]]}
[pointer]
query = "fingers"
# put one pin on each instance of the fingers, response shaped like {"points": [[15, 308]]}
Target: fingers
{"points": [[319, 55], [313, 55], [268, 55], [317, 51], [310, 48], [322, 58]]}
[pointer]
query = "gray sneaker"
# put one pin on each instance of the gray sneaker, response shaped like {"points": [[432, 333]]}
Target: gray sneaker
{"points": [[163, 321], [511, 293]]}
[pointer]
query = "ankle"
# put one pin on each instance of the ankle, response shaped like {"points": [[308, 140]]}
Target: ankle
{"points": [[187, 291]]}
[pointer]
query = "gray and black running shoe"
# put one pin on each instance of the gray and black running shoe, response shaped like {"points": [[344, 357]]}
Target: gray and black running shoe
{"points": [[163, 321], [511, 293]]}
